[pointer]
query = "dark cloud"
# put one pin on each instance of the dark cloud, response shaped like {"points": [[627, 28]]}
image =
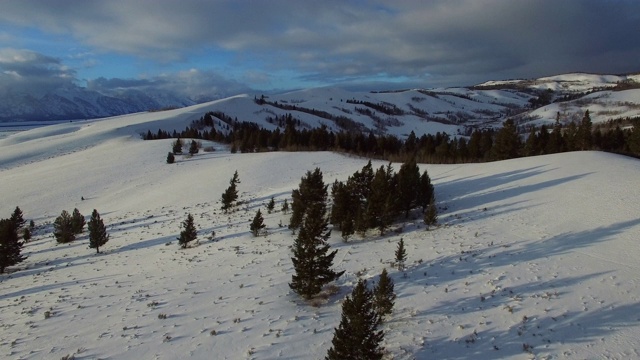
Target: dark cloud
{"points": [[28, 71], [194, 84], [447, 41]]}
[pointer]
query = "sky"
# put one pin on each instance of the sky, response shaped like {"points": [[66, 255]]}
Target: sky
{"points": [[204, 47]]}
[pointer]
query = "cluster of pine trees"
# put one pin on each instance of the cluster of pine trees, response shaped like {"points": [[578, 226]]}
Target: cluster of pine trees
{"points": [[358, 335], [373, 200], [481, 145], [67, 226]]}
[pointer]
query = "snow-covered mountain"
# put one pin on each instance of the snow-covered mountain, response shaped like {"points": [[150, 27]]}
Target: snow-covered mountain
{"points": [[534, 257], [72, 102], [455, 110]]}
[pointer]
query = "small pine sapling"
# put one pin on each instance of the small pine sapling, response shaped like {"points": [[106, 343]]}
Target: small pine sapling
{"points": [[401, 255], [285, 206], [189, 233], [171, 158], [194, 148], [97, 232], [26, 234], [257, 225], [231, 194], [383, 294], [177, 146], [271, 205], [431, 214]]}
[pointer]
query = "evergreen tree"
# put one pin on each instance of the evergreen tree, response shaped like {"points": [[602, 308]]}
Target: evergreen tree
{"points": [[312, 190], [26, 234], [257, 225], [77, 221], [507, 143], [97, 232], [177, 146], [170, 158], [347, 228], [357, 336], [408, 186], [375, 215], [63, 228], [531, 145], [189, 233], [556, 141], [32, 224], [271, 205], [401, 255], [194, 148], [383, 294], [583, 137], [426, 191], [311, 259], [10, 244], [17, 218], [285, 206], [431, 214], [231, 194]]}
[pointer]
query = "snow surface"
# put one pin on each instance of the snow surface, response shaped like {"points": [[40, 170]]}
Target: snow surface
{"points": [[535, 257]]}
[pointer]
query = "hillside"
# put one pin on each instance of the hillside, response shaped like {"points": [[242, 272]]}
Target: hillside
{"points": [[454, 111], [535, 257]]}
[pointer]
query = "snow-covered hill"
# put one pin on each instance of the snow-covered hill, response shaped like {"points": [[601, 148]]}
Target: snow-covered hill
{"points": [[456, 111], [534, 258]]}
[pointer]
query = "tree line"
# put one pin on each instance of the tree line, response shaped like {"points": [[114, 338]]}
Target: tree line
{"points": [[480, 146]]}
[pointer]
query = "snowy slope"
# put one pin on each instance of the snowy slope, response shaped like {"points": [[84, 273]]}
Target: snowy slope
{"points": [[455, 111], [536, 257]]}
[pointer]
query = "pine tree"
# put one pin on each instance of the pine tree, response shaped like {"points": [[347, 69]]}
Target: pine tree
{"points": [[383, 294], [63, 228], [507, 143], [26, 234], [271, 205], [257, 225], [231, 194], [311, 259], [17, 218], [177, 146], [189, 233], [10, 245], [357, 336], [583, 137], [77, 221], [431, 214], [170, 158], [401, 255], [97, 232], [194, 148], [311, 190], [425, 190], [408, 186], [285, 206]]}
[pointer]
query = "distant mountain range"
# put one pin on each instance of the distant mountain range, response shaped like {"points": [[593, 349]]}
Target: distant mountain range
{"points": [[453, 110], [72, 103]]}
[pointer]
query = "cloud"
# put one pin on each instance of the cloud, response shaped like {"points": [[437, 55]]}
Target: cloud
{"points": [[446, 41], [194, 84], [28, 71]]}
